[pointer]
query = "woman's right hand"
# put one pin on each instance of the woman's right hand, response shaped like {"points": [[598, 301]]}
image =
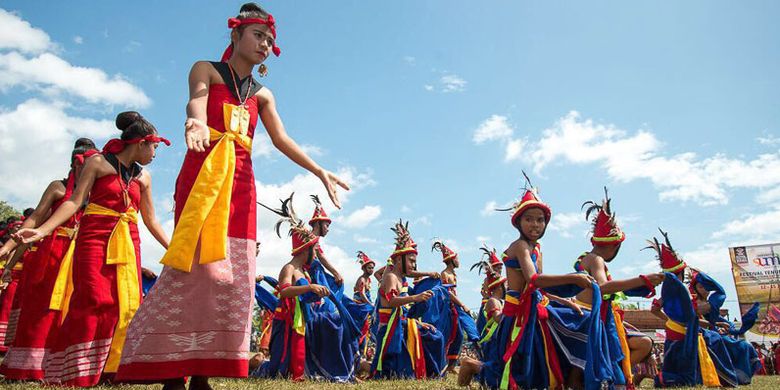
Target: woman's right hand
{"points": [[196, 134], [320, 290], [583, 280], [423, 296], [28, 235]]}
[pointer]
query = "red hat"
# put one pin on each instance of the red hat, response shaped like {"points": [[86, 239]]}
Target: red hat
{"points": [[403, 240], [363, 259], [302, 237], [447, 254], [605, 227], [493, 283], [319, 212], [670, 261], [529, 200], [116, 145], [493, 260]]}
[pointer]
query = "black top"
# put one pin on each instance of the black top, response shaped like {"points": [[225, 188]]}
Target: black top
{"points": [[243, 84], [127, 173]]}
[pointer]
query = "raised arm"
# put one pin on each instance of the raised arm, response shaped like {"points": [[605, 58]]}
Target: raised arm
{"points": [[285, 144], [54, 192], [147, 211], [70, 206]]}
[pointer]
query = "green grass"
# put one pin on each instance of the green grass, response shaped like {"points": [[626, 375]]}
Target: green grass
{"points": [[759, 383]]}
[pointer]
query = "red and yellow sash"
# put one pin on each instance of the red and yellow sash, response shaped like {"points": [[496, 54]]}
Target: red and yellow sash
{"points": [[204, 219]]}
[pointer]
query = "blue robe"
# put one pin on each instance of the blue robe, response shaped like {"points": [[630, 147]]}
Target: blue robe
{"points": [[392, 358], [680, 365]]}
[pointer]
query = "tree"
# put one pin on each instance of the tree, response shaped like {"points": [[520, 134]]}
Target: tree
{"points": [[7, 210]]}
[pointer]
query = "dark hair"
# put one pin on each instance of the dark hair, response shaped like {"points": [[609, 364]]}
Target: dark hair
{"points": [[133, 125], [84, 142], [250, 11], [81, 146], [28, 212]]}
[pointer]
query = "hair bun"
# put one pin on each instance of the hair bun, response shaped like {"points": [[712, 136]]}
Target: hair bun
{"points": [[126, 119]]}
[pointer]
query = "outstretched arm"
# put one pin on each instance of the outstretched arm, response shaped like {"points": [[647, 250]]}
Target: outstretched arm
{"points": [[54, 192], [70, 206], [285, 144]]}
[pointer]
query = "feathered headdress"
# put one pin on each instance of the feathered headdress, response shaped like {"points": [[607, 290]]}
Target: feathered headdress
{"points": [[319, 212], [605, 228], [670, 261], [302, 237], [363, 259], [493, 278], [529, 200], [447, 254], [403, 240]]}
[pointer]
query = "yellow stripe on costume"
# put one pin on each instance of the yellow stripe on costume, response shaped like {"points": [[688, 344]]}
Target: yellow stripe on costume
{"points": [[412, 344], [623, 337], [120, 251], [676, 326], [204, 218], [708, 373], [63, 286]]}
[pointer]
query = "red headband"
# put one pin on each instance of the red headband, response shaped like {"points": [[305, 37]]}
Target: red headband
{"points": [[116, 145], [81, 157], [235, 22]]}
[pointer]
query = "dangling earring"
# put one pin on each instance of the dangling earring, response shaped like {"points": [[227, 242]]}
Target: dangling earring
{"points": [[262, 70]]}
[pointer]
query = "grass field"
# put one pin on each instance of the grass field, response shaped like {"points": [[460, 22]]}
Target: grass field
{"points": [[759, 383]]}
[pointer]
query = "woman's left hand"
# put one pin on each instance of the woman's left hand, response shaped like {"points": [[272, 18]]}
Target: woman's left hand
{"points": [[330, 181]]}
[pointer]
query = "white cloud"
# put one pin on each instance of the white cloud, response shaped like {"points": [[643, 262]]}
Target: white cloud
{"points": [[78, 39], [758, 226], [36, 139], [364, 240], [769, 139], [627, 157], [494, 128], [489, 209], [406, 209], [362, 217], [452, 83], [18, 34], [428, 87], [151, 250], [770, 196], [275, 251], [483, 239], [514, 150], [410, 60], [564, 223], [47, 71]]}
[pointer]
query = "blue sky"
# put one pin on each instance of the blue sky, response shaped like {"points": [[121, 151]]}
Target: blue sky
{"points": [[431, 110]]}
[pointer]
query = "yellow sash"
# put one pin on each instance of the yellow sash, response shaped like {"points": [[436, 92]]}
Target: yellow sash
{"points": [[412, 344], [623, 336], [120, 251], [708, 373], [204, 218]]}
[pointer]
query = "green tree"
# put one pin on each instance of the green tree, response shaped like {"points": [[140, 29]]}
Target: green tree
{"points": [[7, 210]]}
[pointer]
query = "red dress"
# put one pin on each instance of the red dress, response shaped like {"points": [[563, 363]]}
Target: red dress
{"points": [[84, 345], [37, 325], [7, 301], [198, 323]]}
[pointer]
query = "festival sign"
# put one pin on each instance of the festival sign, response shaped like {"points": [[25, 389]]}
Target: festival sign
{"points": [[756, 271]]}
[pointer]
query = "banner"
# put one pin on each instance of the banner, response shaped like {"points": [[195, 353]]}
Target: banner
{"points": [[756, 272]]}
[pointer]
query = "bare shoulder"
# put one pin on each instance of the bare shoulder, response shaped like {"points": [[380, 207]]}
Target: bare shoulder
{"points": [[264, 96], [592, 261], [56, 187]]}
